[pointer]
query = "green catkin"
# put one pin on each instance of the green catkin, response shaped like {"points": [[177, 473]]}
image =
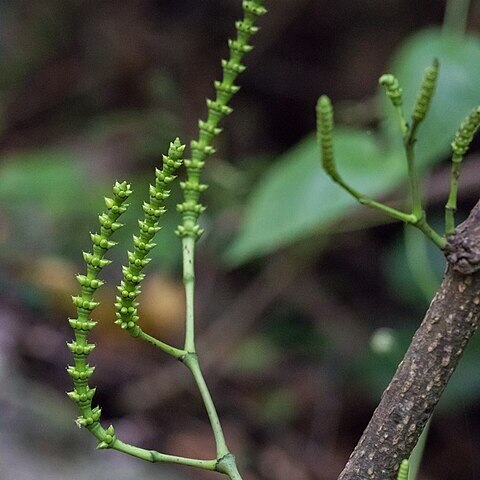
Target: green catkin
{"points": [[465, 134], [460, 145], [129, 288], [202, 148], [81, 371], [427, 90], [403, 470], [325, 127], [392, 88]]}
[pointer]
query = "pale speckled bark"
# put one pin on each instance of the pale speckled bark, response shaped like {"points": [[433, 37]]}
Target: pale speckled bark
{"points": [[432, 357]]}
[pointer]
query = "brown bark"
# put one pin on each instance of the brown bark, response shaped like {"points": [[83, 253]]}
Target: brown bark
{"points": [[424, 372]]}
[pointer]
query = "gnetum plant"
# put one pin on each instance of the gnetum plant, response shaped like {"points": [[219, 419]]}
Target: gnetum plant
{"points": [[437, 346], [189, 231]]}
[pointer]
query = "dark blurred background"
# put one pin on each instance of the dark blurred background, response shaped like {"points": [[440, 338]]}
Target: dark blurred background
{"points": [[306, 302]]}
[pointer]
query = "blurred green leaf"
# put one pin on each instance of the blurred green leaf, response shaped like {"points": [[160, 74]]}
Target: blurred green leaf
{"points": [[296, 198], [458, 88], [279, 407], [255, 355], [47, 179], [413, 267]]}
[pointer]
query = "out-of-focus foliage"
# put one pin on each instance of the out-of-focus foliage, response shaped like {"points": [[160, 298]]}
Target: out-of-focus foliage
{"points": [[295, 198]]}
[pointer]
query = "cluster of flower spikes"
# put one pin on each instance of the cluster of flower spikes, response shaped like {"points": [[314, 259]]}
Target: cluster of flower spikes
{"points": [[217, 110], [85, 304], [129, 288]]}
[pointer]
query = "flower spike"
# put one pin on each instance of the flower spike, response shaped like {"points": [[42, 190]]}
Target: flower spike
{"points": [[126, 303], [427, 90], [403, 470], [89, 283], [460, 145]]}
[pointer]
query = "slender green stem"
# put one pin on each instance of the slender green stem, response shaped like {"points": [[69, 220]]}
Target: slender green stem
{"points": [[456, 17], [424, 227], [165, 347], [228, 466], [188, 245], [402, 120], [412, 171], [451, 206], [369, 202], [143, 454], [155, 457], [191, 361], [393, 212], [418, 214]]}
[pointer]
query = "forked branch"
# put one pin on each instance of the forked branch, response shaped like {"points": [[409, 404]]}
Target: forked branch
{"points": [[129, 289]]}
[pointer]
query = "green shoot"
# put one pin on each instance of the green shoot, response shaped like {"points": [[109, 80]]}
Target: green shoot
{"points": [[129, 289], [417, 216], [460, 146]]}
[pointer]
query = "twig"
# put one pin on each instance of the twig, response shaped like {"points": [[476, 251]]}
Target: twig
{"points": [[432, 357]]}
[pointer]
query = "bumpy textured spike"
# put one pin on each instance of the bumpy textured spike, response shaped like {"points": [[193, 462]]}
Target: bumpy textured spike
{"points": [[325, 134], [465, 134], [81, 371], [403, 470], [427, 89], [125, 305], [392, 88], [218, 108]]}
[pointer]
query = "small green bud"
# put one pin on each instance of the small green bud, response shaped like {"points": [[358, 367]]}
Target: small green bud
{"points": [[403, 470], [248, 29], [239, 47], [392, 87], [218, 107], [109, 202], [254, 7], [225, 87]]}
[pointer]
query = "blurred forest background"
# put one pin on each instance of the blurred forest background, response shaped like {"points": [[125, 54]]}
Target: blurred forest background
{"points": [[306, 301]]}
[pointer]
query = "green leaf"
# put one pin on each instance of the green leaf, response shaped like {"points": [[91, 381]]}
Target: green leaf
{"points": [[296, 198], [48, 178], [458, 88]]}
